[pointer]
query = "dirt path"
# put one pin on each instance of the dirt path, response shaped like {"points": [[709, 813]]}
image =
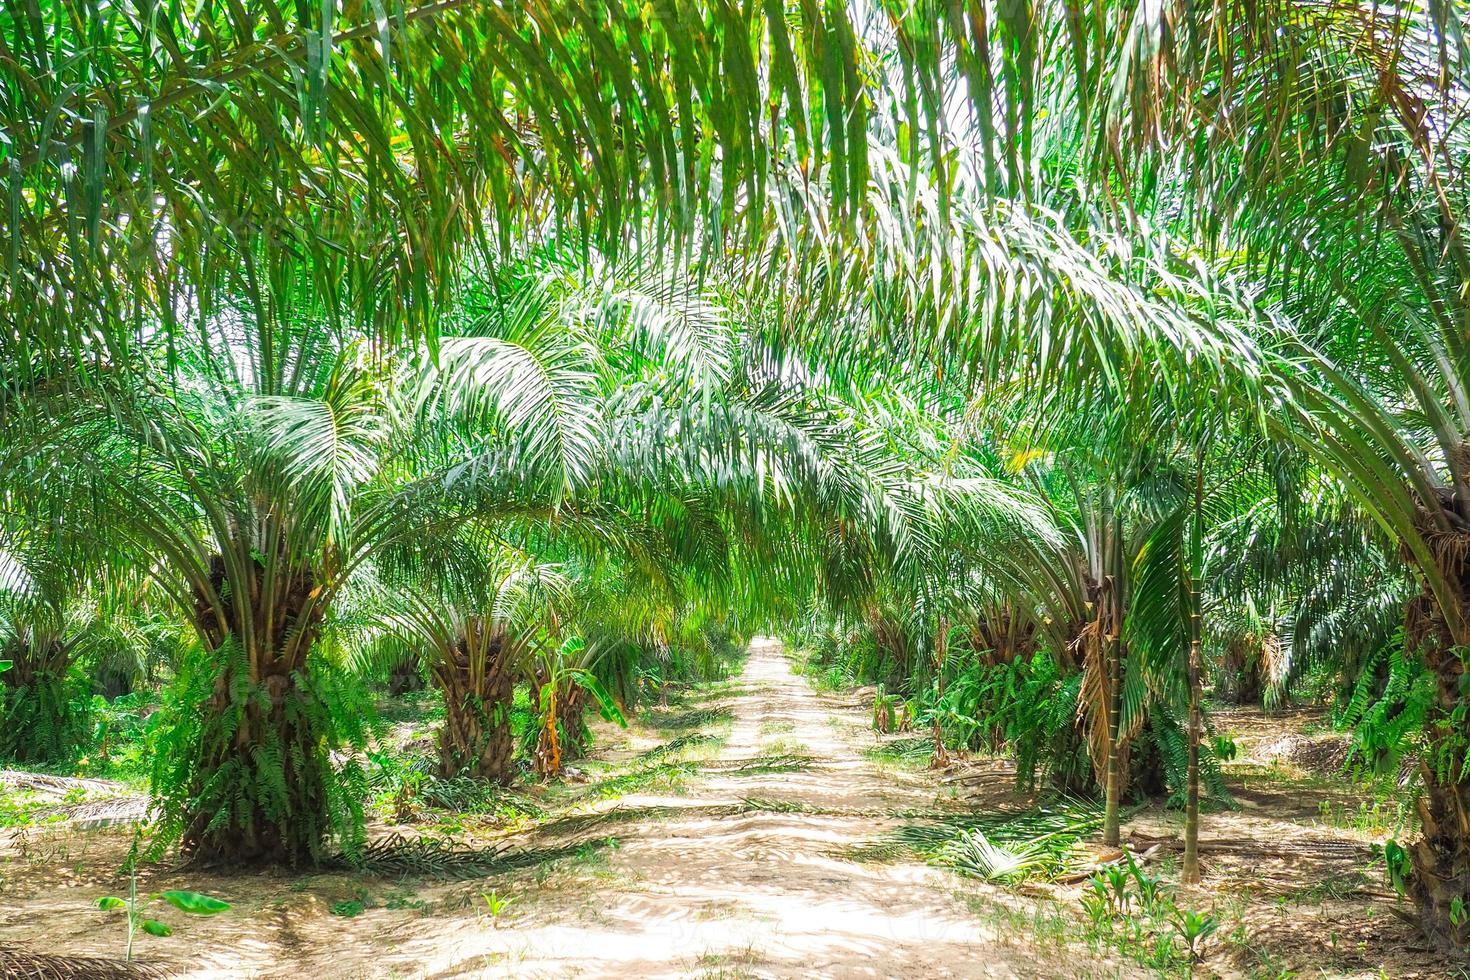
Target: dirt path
{"points": [[719, 874], [763, 893]]}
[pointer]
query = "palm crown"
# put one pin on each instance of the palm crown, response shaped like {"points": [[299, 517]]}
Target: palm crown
{"points": [[290, 290]]}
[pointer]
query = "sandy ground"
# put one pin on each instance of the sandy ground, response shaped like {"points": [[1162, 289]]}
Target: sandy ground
{"points": [[759, 894], [687, 889], [719, 869]]}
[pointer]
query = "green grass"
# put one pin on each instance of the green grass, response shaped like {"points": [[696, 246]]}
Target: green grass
{"points": [[25, 808], [912, 754], [349, 909], [730, 964], [123, 732], [404, 858], [658, 775], [1144, 932], [1135, 913], [761, 765], [1044, 920], [1375, 818], [664, 767], [686, 745], [829, 680], [415, 707], [679, 721], [785, 747], [1334, 887]]}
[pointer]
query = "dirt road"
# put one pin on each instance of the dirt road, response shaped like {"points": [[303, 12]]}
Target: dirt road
{"points": [[739, 864], [764, 893]]}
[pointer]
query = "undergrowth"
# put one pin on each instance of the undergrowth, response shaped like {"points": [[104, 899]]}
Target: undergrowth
{"points": [[1042, 842]]}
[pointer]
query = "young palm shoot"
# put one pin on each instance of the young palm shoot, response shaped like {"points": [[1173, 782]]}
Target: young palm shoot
{"points": [[564, 682], [136, 906]]}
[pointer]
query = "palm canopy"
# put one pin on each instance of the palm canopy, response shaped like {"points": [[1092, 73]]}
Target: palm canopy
{"points": [[282, 294], [159, 158], [362, 147]]}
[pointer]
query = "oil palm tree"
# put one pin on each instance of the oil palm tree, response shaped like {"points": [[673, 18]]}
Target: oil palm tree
{"points": [[1003, 192], [1331, 138], [264, 482], [49, 617], [472, 624], [267, 479], [1100, 476]]}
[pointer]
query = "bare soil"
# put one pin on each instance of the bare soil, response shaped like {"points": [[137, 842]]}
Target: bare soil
{"points": [[719, 869]]}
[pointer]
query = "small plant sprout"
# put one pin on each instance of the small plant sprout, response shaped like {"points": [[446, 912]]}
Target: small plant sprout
{"points": [[1096, 901], [496, 904], [402, 785], [192, 903], [1117, 878], [1396, 859], [1194, 928], [1150, 889]]}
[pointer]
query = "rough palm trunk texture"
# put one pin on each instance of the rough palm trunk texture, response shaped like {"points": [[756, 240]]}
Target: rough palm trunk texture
{"points": [[1440, 885], [476, 738], [258, 725]]}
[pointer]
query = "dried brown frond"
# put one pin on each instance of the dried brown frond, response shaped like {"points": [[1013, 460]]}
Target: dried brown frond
{"points": [[20, 964]]}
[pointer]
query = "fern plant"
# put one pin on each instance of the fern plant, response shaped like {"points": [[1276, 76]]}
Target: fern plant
{"points": [[1386, 711], [202, 787]]}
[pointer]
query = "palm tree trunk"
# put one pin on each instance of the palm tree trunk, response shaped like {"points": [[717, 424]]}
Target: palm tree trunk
{"points": [[940, 757], [1109, 637], [565, 738], [1440, 885], [1242, 674], [571, 715], [256, 787], [1113, 781], [260, 762], [1190, 872], [476, 739], [404, 677]]}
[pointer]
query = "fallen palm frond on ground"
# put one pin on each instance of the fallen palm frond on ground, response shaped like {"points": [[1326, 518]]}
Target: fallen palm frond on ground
{"points": [[20, 964], [913, 751], [759, 804], [654, 772], [679, 744], [468, 795], [1044, 842], [759, 765], [697, 718], [1329, 755], [42, 782], [1287, 849], [42, 799], [667, 773], [1325, 754], [91, 814], [434, 857], [578, 823]]}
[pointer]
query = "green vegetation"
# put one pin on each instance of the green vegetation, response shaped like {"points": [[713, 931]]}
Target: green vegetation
{"points": [[1065, 375], [1008, 848], [135, 906]]}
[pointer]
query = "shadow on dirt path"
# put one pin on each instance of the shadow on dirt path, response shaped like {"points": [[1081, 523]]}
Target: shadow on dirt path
{"points": [[713, 840], [766, 894]]}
